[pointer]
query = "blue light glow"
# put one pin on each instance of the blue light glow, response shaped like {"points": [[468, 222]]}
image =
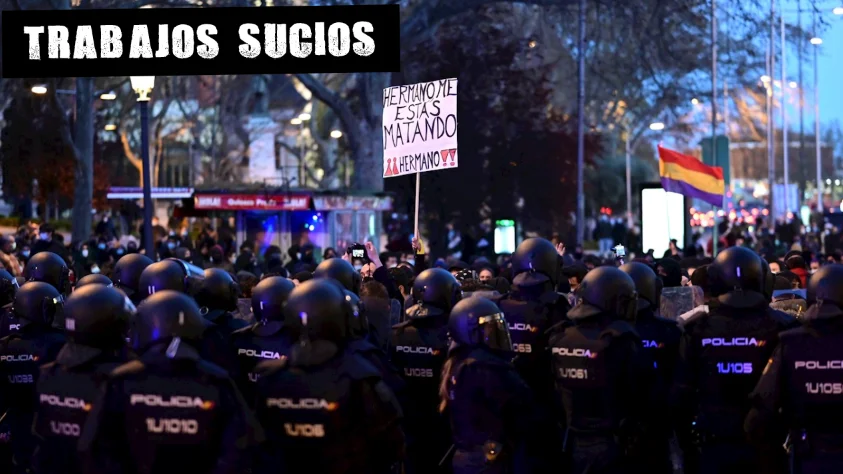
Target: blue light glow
{"points": [[315, 218]]}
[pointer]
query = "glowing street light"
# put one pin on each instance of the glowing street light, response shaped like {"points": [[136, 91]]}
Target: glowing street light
{"points": [[656, 126], [296, 121], [837, 11], [108, 96], [765, 78], [110, 127], [793, 85], [39, 89], [304, 117], [695, 101], [336, 134], [816, 41]]}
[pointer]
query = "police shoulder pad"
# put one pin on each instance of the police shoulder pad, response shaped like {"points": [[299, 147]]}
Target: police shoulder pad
{"points": [[129, 368], [358, 368], [269, 367], [247, 330], [619, 328], [211, 369]]}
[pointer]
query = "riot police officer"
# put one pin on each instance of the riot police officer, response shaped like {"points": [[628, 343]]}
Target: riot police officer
{"points": [[96, 320], [169, 411], [660, 340], [21, 353], [341, 271], [8, 287], [93, 278], [127, 272], [265, 339], [490, 407], [324, 409], [722, 355], [49, 268], [418, 348], [799, 390], [602, 378], [170, 274], [217, 298]]}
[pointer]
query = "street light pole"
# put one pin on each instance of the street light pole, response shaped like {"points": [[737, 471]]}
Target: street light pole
{"points": [[581, 124], [628, 183], [785, 151], [817, 121], [143, 86]]}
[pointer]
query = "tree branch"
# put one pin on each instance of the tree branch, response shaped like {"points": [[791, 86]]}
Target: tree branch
{"points": [[130, 155], [336, 103]]}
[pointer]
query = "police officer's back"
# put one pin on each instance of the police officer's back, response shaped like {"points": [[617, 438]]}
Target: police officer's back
{"points": [[325, 409], [660, 340], [799, 392], [96, 320], [601, 375], [8, 287], [341, 271], [490, 407], [21, 354], [217, 298], [169, 411], [266, 338], [722, 355]]}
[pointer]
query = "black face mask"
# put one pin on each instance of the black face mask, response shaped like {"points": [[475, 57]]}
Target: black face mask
{"points": [[367, 279]]}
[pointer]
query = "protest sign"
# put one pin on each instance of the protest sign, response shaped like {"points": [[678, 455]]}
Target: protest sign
{"points": [[420, 128]]}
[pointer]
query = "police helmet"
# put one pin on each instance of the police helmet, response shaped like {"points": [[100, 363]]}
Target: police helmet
{"points": [[97, 315], [49, 268], [479, 321], [646, 284], [825, 291], [317, 310], [269, 296], [605, 290], [737, 278], [437, 290], [8, 287], [38, 303], [127, 272], [535, 261], [769, 280], [171, 274], [94, 278], [339, 270], [358, 322], [218, 291], [165, 315]]}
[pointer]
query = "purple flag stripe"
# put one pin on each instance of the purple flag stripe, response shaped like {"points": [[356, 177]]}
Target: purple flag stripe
{"points": [[685, 189]]}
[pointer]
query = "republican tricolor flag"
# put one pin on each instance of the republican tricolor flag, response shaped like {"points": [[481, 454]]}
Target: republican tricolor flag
{"points": [[688, 176]]}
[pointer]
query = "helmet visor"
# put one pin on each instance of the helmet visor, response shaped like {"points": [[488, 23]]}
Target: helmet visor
{"points": [[494, 332]]}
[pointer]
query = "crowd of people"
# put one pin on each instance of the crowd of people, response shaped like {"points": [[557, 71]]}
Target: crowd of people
{"points": [[207, 360]]}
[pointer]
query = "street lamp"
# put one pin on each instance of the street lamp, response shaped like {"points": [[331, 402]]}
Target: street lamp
{"points": [[39, 89], [793, 84], [304, 117], [110, 127], [657, 126], [336, 134], [296, 121], [143, 86], [816, 41], [765, 79], [108, 96], [837, 11]]}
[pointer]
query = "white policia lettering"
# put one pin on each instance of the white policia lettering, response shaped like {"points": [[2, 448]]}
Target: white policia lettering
{"points": [[18, 358], [66, 402], [304, 430], [652, 344], [735, 341], [520, 327], [568, 352], [175, 401], [413, 372], [824, 388], [65, 429], [819, 365], [172, 426], [301, 404], [259, 355], [417, 350], [734, 367]]}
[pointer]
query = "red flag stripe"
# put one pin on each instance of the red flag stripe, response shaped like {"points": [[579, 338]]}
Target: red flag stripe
{"points": [[690, 163]]}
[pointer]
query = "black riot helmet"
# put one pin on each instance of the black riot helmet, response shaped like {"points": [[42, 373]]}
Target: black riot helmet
{"points": [[164, 316], [737, 278], [358, 322], [49, 268], [437, 290], [218, 291], [339, 270], [825, 291], [646, 284], [269, 297], [535, 261], [605, 290], [170, 274], [37, 303], [127, 272], [93, 278], [97, 315], [8, 287], [317, 311], [769, 280], [479, 321]]}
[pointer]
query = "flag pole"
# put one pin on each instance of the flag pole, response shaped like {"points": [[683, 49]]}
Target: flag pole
{"points": [[714, 113]]}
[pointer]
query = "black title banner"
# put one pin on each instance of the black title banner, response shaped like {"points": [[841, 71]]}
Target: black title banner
{"points": [[186, 41]]}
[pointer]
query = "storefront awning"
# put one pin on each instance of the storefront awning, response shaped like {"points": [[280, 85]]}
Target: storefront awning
{"points": [[251, 202], [157, 193]]}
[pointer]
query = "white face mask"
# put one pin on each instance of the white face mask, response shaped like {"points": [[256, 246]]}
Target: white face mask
{"points": [[85, 252], [44, 236], [393, 265], [412, 261], [358, 267], [95, 269]]}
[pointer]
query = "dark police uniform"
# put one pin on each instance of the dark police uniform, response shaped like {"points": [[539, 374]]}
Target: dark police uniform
{"points": [[800, 393], [721, 358], [491, 409], [419, 348], [169, 411], [325, 409], [602, 378], [96, 320]]}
